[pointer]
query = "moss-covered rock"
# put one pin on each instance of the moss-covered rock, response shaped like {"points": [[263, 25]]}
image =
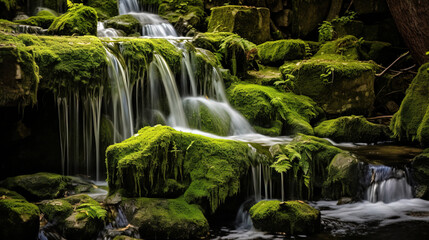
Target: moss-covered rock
{"points": [[343, 177], [56, 210], [411, 122], [19, 218], [352, 129], [249, 22], [339, 86], [127, 23], [166, 218], [420, 174], [304, 161], [43, 21], [79, 20], [105, 8], [291, 217], [277, 52], [234, 52], [146, 164], [185, 15], [263, 106], [38, 186], [347, 47]]}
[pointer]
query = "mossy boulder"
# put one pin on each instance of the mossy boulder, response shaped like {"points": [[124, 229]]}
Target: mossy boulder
{"points": [[250, 23], [79, 20], [166, 218], [38, 186], [185, 15], [263, 106], [411, 122], [207, 170], [75, 217], [277, 52], [343, 177], [304, 161], [127, 23], [19, 218], [420, 174], [347, 47], [352, 129], [339, 86], [43, 21], [291, 217], [105, 8]]}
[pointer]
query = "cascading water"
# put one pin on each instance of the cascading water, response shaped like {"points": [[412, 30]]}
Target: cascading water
{"points": [[387, 184], [126, 6]]}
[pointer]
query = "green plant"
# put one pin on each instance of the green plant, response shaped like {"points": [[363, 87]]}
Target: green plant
{"points": [[88, 210], [288, 79], [71, 5], [326, 30], [328, 76]]}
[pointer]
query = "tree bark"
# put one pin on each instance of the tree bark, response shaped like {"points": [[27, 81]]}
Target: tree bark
{"points": [[412, 20]]}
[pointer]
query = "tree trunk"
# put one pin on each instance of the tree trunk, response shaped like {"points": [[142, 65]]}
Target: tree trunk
{"points": [[412, 20]]}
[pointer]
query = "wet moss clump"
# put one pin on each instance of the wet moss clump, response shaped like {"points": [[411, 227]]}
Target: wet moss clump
{"points": [[127, 23], [411, 122], [264, 106], [78, 20], [42, 21], [187, 13], [290, 217], [209, 169], [348, 47], [166, 218], [352, 129], [277, 52], [105, 8]]}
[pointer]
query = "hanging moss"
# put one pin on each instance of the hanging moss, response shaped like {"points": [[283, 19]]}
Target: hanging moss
{"points": [[263, 106], [291, 217], [166, 218], [411, 122], [210, 169], [277, 52], [79, 20], [352, 129]]}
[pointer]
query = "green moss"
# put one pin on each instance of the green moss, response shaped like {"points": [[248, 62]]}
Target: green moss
{"points": [[9, 4], [39, 21], [305, 161], [105, 8], [339, 86], [47, 13], [277, 52], [352, 129], [211, 41], [7, 26], [275, 130], [411, 122], [8, 194], [262, 105], [420, 173], [176, 11], [291, 217], [209, 168], [348, 47], [20, 219], [79, 20], [56, 210], [166, 218], [38, 186], [343, 177], [127, 23]]}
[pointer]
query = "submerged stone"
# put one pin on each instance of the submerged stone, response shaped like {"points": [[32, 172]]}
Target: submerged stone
{"points": [[166, 218], [290, 217], [352, 129], [250, 23], [343, 177], [79, 20], [263, 106], [339, 86], [207, 170], [411, 122], [19, 218], [277, 52]]}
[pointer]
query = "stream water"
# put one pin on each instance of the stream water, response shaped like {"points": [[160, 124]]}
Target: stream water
{"points": [[387, 208]]}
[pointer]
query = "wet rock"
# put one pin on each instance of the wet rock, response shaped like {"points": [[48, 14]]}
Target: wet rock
{"points": [[420, 174], [80, 20], [343, 178], [166, 218], [352, 129], [127, 23], [19, 218], [250, 23], [345, 200], [291, 217]]}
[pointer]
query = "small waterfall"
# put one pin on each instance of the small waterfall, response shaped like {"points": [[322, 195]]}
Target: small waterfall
{"points": [[242, 219], [387, 184], [106, 32], [153, 25], [126, 6]]}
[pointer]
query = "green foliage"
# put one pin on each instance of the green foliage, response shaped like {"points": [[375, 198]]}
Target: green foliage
{"points": [[88, 210], [78, 20], [326, 30], [9, 4]]}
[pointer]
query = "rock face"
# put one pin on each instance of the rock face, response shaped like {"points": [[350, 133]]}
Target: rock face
{"points": [[127, 23], [19, 218], [162, 162], [352, 129], [273, 112], [343, 177], [80, 20], [277, 52], [420, 174], [411, 122], [250, 23], [166, 218], [291, 217], [307, 15]]}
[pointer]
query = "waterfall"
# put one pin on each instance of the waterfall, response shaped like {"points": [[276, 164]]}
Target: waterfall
{"points": [[387, 184], [126, 6]]}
